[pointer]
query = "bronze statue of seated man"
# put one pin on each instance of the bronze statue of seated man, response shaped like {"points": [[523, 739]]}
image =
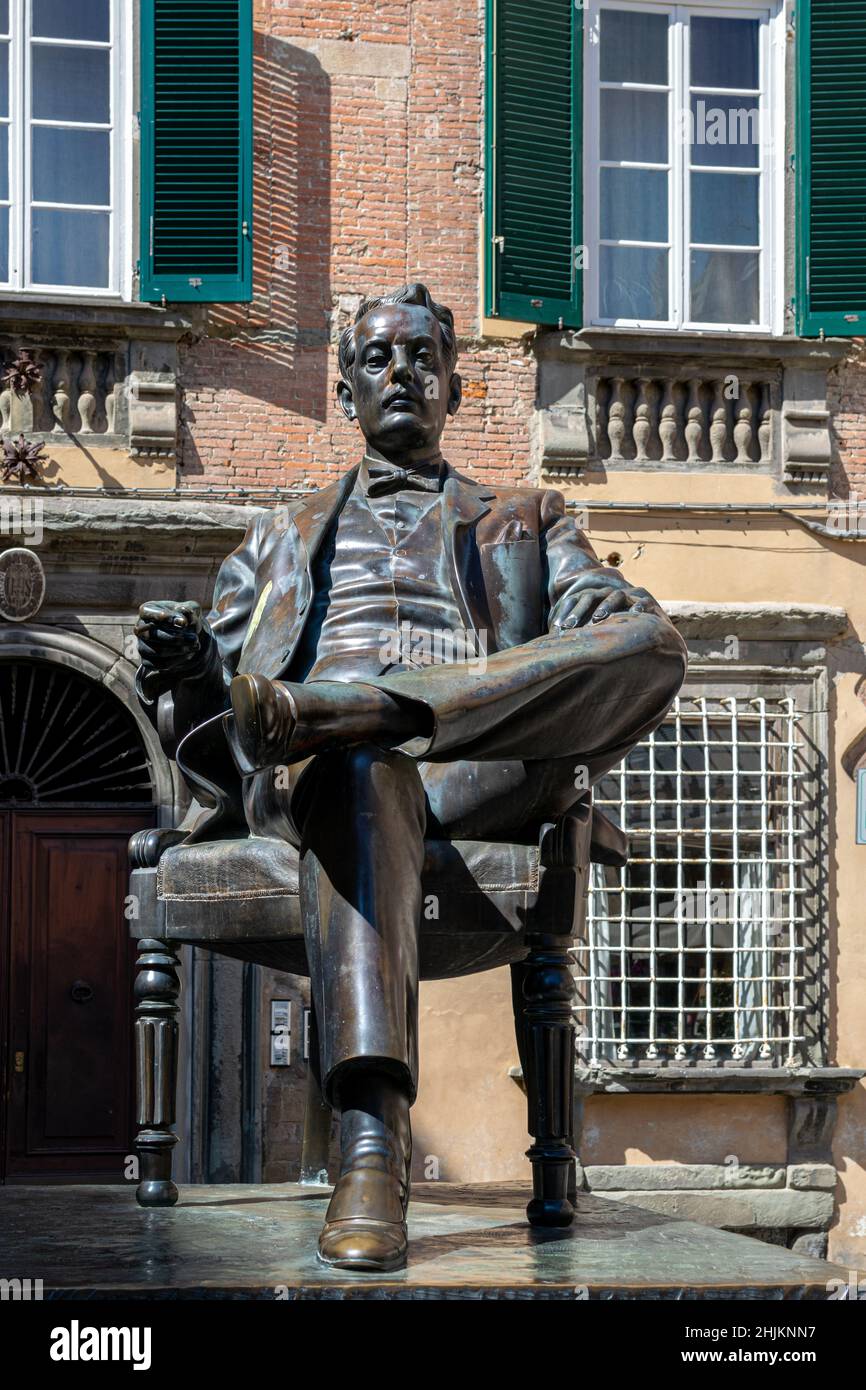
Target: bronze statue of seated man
{"points": [[406, 653]]}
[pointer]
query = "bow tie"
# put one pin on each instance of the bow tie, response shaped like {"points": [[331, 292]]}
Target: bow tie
{"points": [[385, 478]]}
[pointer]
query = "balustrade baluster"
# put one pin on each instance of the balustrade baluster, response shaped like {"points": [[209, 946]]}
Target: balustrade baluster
{"points": [[668, 427], [695, 422], [60, 401], [719, 423], [616, 421], [765, 423], [643, 419], [602, 400], [743, 431], [87, 393]]}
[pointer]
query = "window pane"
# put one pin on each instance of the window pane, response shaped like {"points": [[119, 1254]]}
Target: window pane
{"points": [[70, 248], [634, 282], [634, 204], [724, 52], [70, 84], [725, 287], [71, 166], [634, 47], [4, 244], [4, 79], [4, 162], [4, 16], [71, 19], [725, 209], [725, 130], [634, 126]]}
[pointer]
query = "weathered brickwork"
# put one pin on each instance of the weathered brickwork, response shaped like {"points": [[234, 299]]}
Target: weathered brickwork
{"points": [[368, 173], [847, 403]]}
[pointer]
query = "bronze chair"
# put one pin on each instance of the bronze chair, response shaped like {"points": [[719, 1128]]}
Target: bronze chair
{"points": [[516, 904]]}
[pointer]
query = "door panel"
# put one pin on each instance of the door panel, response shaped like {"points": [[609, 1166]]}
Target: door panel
{"points": [[71, 1004], [5, 919]]}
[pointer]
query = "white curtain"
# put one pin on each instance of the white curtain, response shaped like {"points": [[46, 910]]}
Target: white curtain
{"points": [[754, 905]]}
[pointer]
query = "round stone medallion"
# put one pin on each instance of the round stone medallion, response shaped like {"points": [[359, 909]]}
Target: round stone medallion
{"points": [[22, 584]]}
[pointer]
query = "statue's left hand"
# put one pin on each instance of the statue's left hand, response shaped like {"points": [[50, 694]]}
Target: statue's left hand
{"points": [[601, 601], [171, 636]]}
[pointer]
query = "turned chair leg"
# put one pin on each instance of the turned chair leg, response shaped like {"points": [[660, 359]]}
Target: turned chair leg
{"points": [[317, 1118], [157, 986], [542, 991]]}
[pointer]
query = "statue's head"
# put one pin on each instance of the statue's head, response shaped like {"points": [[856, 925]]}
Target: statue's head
{"points": [[397, 377]]}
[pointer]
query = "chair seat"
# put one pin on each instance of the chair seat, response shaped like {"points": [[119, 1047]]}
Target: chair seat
{"points": [[258, 867], [240, 897]]}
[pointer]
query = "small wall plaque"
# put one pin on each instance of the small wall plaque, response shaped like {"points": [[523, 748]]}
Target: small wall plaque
{"points": [[22, 584]]}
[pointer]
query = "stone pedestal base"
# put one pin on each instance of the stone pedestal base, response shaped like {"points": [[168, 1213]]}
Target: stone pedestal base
{"points": [[259, 1242]]}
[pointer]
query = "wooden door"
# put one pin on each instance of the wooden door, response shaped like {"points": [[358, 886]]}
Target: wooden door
{"points": [[69, 1066]]}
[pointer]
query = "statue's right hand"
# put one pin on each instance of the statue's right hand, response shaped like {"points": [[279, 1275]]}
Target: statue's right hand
{"points": [[170, 635]]}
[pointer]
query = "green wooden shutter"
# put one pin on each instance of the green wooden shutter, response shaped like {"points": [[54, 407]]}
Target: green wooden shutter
{"points": [[533, 209], [196, 149], [831, 167]]}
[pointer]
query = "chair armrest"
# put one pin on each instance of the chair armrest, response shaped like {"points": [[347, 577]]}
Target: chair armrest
{"points": [[563, 843], [146, 846], [608, 843]]}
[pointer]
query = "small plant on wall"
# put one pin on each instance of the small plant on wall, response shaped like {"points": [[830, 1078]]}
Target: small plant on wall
{"points": [[23, 375], [21, 460]]}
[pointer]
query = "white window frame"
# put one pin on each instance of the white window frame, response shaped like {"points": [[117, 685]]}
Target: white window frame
{"points": [[120, 46], [771, 163]]}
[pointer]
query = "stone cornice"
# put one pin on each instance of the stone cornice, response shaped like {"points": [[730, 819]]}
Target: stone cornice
{"points": [[633, 346], [49, 318], [758, 621], [209, 526]]}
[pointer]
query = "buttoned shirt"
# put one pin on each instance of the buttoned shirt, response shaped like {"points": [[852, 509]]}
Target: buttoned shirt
{"points": [[383, 592]]}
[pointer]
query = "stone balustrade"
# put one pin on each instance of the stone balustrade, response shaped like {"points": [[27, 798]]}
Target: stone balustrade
{"points": [[78, 393], [616, 399], [105, 378], [692, 418]]}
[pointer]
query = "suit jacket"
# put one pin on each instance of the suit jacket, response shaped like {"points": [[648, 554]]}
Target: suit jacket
{"points": [[516, 558], [513, 589]]}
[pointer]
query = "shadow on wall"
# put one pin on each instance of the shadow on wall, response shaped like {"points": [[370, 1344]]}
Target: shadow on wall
{"points": [[275, 348]]}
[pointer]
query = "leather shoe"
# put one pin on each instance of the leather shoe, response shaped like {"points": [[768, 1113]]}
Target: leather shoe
{"points": [[264, 718], [277, 722], [365, 1225]]}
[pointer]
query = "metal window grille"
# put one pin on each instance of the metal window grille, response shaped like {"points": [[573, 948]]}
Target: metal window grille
{"points": [[701, 949]]}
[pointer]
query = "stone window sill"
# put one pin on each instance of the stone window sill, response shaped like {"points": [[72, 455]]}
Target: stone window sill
{"points": [[114, 317], [743, 1081], [777, 1081], [630, 342]]}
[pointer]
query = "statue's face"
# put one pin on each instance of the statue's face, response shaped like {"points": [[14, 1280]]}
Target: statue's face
{"points": [[402, 391]]}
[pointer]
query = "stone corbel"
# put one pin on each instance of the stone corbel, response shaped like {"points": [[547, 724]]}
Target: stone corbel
{"points": [[564, 440], [807, 448], [152, 407], [564, 431]]}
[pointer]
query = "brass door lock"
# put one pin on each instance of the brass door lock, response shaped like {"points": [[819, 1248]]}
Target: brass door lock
{"points": [[19, 1063]]}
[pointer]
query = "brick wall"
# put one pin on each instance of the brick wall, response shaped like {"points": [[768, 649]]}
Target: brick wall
{"points": [[368, 144], [846, 398], [368, 173]]}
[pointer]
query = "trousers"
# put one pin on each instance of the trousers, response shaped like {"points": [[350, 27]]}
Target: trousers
{"points": [[542, 724]]}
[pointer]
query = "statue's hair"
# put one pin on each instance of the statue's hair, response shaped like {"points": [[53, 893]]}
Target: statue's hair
{"points": [[408, 294]]}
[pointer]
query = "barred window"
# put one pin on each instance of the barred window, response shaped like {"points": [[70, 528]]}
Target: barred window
{"points": [[706, 947]]}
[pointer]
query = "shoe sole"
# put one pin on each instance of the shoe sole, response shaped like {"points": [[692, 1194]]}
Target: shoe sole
{"points": [[364, 1266]]}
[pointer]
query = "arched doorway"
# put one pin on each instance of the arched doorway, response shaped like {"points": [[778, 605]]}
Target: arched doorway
{"points": [[76, 780]]}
